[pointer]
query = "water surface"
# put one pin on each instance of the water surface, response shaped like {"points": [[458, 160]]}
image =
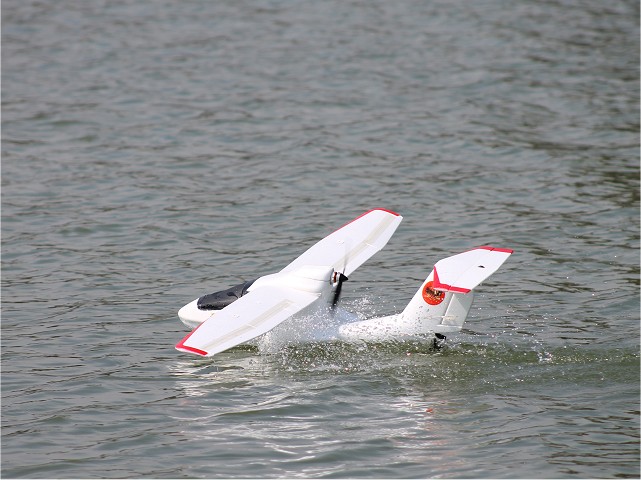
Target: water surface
{"points": [[156, 152]]}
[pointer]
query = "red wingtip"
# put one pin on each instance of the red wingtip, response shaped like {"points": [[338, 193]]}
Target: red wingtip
{"points": [[185, 348], [197, 351], [370, 211], [385, 210], [487, 247]]}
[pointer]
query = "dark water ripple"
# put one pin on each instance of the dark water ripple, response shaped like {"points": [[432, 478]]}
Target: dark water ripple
{"points": [[154, 152]]}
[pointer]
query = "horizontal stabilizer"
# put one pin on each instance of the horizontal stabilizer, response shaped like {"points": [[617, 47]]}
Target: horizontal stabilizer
{"points": [[350, 246], [461, 273], [254, 314]]}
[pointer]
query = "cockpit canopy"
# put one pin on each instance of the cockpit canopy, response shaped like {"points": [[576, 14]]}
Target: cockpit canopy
{"points": [[219, 300]]}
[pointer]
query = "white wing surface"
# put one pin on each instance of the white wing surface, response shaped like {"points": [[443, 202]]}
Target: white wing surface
{"points": [[351, 245], [461, 273], [253, 314]]}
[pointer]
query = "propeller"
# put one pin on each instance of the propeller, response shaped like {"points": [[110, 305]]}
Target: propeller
{"points": [[339, 278]]}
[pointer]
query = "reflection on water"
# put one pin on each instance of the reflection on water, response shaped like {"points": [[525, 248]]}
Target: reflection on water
{"points": [[292, 403], [301, 408]]}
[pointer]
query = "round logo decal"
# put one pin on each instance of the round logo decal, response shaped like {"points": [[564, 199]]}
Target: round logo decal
{"points": [[431, 296]]}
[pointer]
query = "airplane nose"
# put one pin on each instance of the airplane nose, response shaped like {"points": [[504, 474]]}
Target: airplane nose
{"points": [[192, 316]]}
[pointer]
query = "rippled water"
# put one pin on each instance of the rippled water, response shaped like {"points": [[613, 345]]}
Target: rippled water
{"points": [[153, 152]]}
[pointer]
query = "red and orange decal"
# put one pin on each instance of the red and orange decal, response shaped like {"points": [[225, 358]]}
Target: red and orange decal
{"points": [[431, 296]]}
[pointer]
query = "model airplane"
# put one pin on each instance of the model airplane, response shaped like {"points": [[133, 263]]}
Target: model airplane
{"points": [[310, 288]]}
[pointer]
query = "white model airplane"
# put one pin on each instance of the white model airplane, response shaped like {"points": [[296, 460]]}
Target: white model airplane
{"points": [[310, 287]]}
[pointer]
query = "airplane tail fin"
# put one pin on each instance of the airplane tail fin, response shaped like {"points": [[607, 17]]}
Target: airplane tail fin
{"points": [[444, 300]]}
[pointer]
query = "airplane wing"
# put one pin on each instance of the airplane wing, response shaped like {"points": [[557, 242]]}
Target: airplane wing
{"points": [[351, 245], [253, 314], [265, 306], [461, 273]]}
